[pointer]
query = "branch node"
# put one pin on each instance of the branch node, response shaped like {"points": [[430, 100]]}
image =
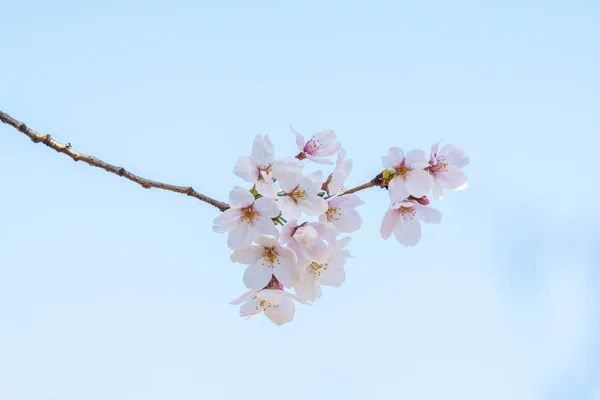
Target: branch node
{"points": [[190, 191], [122, 171], [68, 145]]}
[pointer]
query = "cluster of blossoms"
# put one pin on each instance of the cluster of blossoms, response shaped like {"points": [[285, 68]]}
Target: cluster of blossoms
{"points": [[281, 251]]}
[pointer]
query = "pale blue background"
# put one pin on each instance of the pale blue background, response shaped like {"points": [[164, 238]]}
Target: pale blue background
{"points": [[111, 291]]}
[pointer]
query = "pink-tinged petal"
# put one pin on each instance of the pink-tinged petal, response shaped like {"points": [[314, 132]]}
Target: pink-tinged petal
{"points": [[288, 230], [454, 155], [306, 236], [319, 160], [313, 205], [428, 215], [267, 241], [228, 219], [246, 169], [250, 309], [288, 207], [257, 276], [299, 139], [395, 156], [329, 144], [264, 225], [418, 182], [288, 255], [349, 221], [240, 197], [288, 171], [307, 289], [267, 207], [282, 314], [347, 201], [398, 190], [318, 253], [266, 187], [249, 295], [408, 231], [247, 254], [286, 273], [389, 223], [240, 236], [274, 296], [312, 182], [291, 296], [452, 178], [416, 159], [438, 193], [434, 150], [333, 277], [326, 230], [262, 151], [343, 242], [462, 187]]}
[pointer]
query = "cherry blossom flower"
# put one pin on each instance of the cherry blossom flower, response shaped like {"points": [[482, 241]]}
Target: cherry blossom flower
{"points": [[321, 144], [276, 304], [341, 212], [266, 259], [404, 220], [307, 239], [445, 168], [246, 218], [409, 178], [256, 169], [329, 272], [336, 180], [302, 196]]}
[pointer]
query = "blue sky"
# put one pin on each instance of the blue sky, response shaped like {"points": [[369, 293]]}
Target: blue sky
{"points": [[108, 290]]}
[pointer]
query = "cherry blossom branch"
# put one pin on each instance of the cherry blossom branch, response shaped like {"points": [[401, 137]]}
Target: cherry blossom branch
{"points": [[94, 162], [377, 181]]}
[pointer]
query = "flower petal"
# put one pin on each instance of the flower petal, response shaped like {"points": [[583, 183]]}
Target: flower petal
{"points": [[454, 155], [389, 223], [240, 236], [453, 178], [286, 273], [266, 240], [408, 231], [257, 276], [313, 205], [266, 187], [418, 182], [240, 197], [283, 313], [262, 151], [250, 309], [398, 189], [319, 160], [395, 157], [438, 193], [267, 207], [428, 214], [245, 297], [307, 289], [246, 169], [247, 254], [288, 171], [288, 207], [227, 220], [416, 159], [299, 139]]}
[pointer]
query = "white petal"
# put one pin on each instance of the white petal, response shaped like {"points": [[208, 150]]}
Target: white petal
{"points": [[287, 230], [397, 189], [287, 254], [264, 225], [319, 160], [312, 182], [288, 171], [428, 214], [408, 231], [227, 220], [245, 297], [247, 254], [299, 139], [347, 201], [282, 314], [454, 155], [395, 156], [246, 169], [266, 187], [452, 178], [416, 159], [257, 276], [267, 207], [307, 289], [389, 223], [438, 193], [333, 277], [240, 197], [274, 296], [262, 151], [286, 273], [240, 236], [266, 240], [249, 309], [288, 207], [418, 182], [313, 205], [349, 221], [306, 236]]}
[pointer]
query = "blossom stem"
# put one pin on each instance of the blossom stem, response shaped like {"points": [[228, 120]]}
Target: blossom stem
{"points": [[94, 162], [377, 181]]}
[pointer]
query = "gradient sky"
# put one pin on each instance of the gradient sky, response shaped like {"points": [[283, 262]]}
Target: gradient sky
{"points": [[111, 291]]}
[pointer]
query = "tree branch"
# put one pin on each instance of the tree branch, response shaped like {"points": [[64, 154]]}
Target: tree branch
{"points": [[377, 181], [94, 162]]}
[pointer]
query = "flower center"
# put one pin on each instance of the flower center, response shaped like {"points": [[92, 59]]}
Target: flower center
{"points": [[407, 212], [249, 214], [441, 166], [402, 170], [264, 304], [300, 194], [312, 145], [333, 213], [270, 258], [317, 269]]}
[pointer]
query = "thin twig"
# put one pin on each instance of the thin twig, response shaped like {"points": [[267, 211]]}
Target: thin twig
{"points": [[94, 162], [377, 181]]}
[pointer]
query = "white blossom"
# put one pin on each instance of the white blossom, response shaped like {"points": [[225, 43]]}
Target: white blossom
{"points": [[276, 304], [341, 212], [410, 177], [445, 168], [335, 181], [256, 169], [302, 196], [330, 272], [267, 259], [246, 217], [308, 239], [321, 144], [404, 220]]}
